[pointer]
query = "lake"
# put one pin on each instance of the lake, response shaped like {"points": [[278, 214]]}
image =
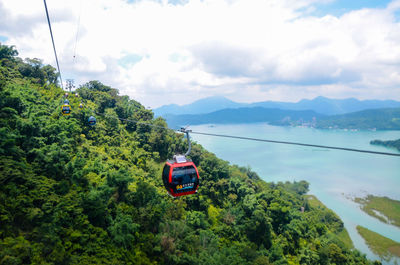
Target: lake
{"points": [[334, 175]]}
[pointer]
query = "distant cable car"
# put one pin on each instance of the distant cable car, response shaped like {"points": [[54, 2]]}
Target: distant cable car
{"points": [[80, 105], [92, 120], [66, 109], [66, 95], [180, 175], [76, 95], [66, 102]]}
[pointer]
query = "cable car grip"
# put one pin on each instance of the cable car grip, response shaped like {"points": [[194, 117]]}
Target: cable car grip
{"points": [[188, 138]]}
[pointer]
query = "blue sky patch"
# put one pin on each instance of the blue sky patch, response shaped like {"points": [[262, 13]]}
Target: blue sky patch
{"points": [[340, 7], [176, 57], [3, 38], [130, 60], [397, 15], [177, 2]]}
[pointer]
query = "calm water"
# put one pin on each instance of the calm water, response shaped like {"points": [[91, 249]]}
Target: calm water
{"points": [[334, 175]]}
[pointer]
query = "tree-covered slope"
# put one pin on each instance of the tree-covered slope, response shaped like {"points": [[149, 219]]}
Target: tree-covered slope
{"points": [[75, 194]]}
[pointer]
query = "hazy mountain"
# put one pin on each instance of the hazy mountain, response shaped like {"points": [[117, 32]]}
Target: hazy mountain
{"points": [[329, 106], [319, 104], [380, 119], [244, 115], [205, 105]]}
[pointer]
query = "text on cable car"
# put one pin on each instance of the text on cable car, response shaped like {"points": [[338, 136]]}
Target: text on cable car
{"points": [[185, 186]]}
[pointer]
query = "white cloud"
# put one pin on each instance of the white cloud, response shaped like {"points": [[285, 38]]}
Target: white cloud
{"points": [[247, 50]]}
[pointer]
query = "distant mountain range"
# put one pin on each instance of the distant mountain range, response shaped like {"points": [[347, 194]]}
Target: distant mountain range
{"points": [[322, 105], [245, 115], [379, 119], [205, 105]]}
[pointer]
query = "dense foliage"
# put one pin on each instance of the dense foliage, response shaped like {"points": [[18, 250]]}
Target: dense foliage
{"points": [[390, 143], [75, 194]]}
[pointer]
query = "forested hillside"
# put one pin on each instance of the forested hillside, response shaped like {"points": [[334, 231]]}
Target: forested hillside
{"points": [[75, 194], [379, 119]]}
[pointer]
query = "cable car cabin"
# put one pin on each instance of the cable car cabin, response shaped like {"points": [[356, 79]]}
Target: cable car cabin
{"points": [[66, 109], [66, 102], [81, 106], [180, 176], [92, 121]]}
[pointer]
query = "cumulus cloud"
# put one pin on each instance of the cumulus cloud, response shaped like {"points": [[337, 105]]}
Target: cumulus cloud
{"points": [[163, 52]]}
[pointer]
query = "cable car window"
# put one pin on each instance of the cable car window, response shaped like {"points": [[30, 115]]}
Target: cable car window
{"points": [[92, 120], [184, 175], [165, 174]]}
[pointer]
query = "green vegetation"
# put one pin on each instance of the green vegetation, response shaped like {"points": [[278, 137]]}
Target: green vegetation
{"points": [[390, 144], [75, 194], [383, 208], [345, 238], [380, 119], [341, 233], [382, 246]]}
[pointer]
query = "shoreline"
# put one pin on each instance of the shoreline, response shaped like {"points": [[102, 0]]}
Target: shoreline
{"points": [[329, 173], [385, 248], [384, 208]]}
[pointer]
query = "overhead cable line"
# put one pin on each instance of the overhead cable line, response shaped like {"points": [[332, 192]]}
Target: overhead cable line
{"points": [[52, 39], [77, 30], [259, 140]]}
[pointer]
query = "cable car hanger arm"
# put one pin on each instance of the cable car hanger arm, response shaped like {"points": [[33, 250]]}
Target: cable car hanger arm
{"points": [[188, 138]]}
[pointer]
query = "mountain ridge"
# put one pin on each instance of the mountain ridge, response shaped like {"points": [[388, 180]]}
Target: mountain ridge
{"points": [[322, 105], [244, 115], [376, 119]]}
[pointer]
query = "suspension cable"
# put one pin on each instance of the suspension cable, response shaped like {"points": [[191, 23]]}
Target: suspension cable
{"points": [[52, 39], [301, 144], [77, 30], [257, 139]]}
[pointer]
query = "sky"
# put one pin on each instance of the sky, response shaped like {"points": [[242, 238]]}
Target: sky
{"points": [[178, 51]]}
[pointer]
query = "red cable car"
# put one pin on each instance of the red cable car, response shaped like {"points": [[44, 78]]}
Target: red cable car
{"points": [[180, 176]]}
